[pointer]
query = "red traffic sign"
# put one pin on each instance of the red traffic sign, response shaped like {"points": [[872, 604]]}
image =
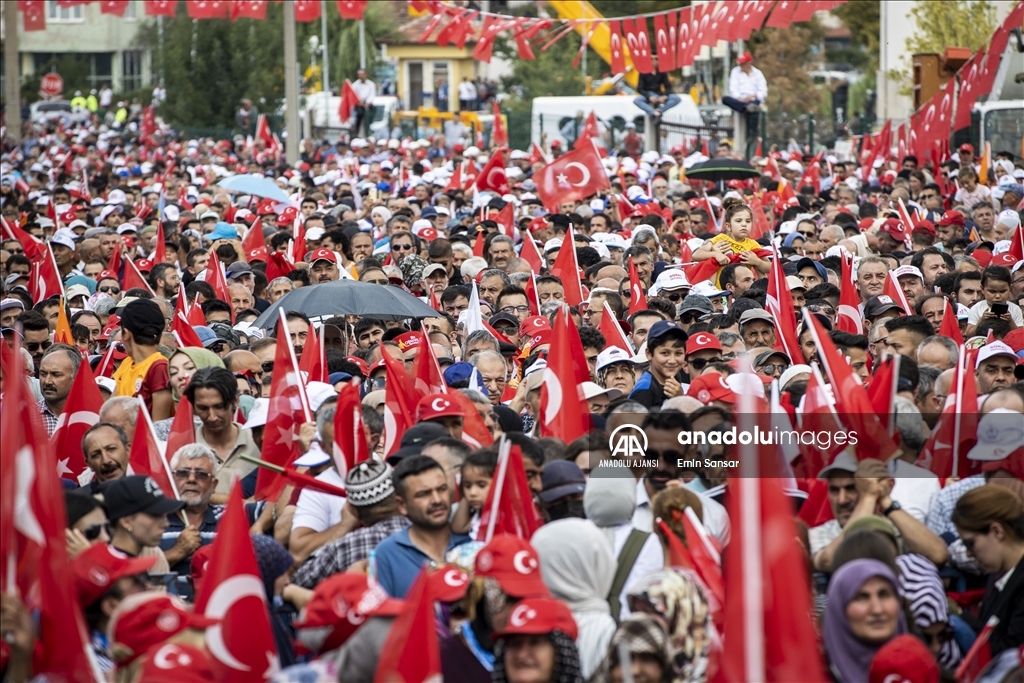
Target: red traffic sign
{"points": [[52, 84]]}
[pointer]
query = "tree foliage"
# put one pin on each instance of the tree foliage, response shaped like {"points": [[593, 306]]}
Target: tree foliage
{"points": [[951, 23], [861, 17], [209, 66]]}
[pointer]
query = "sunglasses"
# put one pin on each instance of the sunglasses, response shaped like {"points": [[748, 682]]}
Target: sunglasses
{"points": [[217, 347], [110, 290], [505, 330], [809, 234], [699, 364], [185, 473], [401, 247], [38, 346], [690, 317], [16, 251], [268, 366], [674, 297], [817, 308], [771, 369], [93, 531]]}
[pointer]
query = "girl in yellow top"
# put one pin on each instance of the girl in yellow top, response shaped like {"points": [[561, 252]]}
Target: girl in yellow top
{"points": [[734, 240]]}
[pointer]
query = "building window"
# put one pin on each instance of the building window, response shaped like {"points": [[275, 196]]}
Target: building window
{"points": [[57, 14], [102, 70], [130, 12], [131, 70]]}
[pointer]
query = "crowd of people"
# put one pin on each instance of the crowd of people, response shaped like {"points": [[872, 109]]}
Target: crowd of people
{"points": [[904, 566]]}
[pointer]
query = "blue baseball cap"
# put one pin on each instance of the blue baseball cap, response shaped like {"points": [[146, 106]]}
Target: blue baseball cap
{"points": [[820, 269], [206, 335], [223, 231], [662, 328], [458, 372]]}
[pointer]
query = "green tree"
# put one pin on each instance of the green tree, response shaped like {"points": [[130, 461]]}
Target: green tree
{"points": [[861, 17], [951, 23]]}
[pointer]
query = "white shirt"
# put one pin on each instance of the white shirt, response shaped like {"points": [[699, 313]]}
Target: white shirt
{"points": [[981, 308], [915, 488], [365, 90], [969, 199], [467, 91], [106, 97], [650, 559], [319, 511], [743, 85]]}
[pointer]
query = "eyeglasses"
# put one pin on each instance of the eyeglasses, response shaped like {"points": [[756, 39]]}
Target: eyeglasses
{"points": [[93, 531], [16, 251], [818, 308], [401, 247], [515, 309], [268, 366], [184, 473], [110, 290], [809, 234], [699, 364], [771, 369], [38, 346], [382, 281], [690, 317]]}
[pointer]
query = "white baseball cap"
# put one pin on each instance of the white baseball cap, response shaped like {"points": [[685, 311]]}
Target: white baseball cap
{"points": [[1000, 432], [671, 279], [993, 349], [611, 356], [592, 390]]}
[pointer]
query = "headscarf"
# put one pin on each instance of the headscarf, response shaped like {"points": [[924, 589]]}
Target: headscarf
{"points": [[567, 660], [382, 211], [849, 656], [412, 269], [643, 635], [924, 596], [609, 501], [678, 599], [201, 358]]}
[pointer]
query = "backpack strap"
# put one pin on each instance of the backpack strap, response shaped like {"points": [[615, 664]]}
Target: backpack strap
{"points": [[627, 558]]}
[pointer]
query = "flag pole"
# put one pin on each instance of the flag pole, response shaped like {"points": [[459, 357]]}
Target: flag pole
{"points": [[961, 369], [504, 453]]}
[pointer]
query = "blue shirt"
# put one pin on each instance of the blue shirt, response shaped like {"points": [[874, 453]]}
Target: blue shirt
{"points": [[399, 561]]}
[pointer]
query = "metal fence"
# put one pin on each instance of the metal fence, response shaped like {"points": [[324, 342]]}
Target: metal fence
{"points": [[692, 137]]}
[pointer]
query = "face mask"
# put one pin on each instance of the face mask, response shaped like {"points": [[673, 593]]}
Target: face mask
{"points": [[567, 509]]}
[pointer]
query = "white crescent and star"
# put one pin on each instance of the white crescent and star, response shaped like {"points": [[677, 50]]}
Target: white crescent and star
{"points": [[439, 404], [224, 596], [522, 614], [455, 578], [171, 656], [523, 563]]}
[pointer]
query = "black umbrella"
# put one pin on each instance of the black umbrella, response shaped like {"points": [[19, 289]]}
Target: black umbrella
{"points": [[348, 297], [718, 170]]}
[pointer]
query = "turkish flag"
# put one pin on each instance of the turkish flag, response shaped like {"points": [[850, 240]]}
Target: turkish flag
{"points": [[637, 299], [767, 597], [160, 248], [499, 136], [44, 278], [852, 402], [719, 22], [35, 14], [147, 459], [571, 177], [996, 48], [945, 452], [936, 119], [811, 175], [312, 361], [506, 220], [485, 41], [591, 134], [352, 9], [254, 245], [349, 99], [566, 268], [455, 181], [474, 430], [706, 555], [509, 508], [761, 225], [288, 411], [161, 8], [206, 9], [115, 7], [563, 411], [32, 525], [893, 290], [411, 651], [616, 45], [35, 250], [307, 10], [218, 279], [349, 435], [970, 89], [183, 429], [613, 333], [249, 9], [950, 327], [683, 37], [818, 414], [848, 317], [639, 43], [492, 177], [882, 387], [701, 271], [81, 411], [753, 20], [400, 399], [782, 15], [278, 266], [133, 278], [780, 304], [426, 371], [242, 645], [664, 40], [531, 254]]}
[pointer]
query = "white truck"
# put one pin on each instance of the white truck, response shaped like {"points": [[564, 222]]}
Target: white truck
{"points": [[320, 112]]}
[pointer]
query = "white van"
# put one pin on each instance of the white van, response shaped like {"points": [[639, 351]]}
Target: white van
{"points": [[613, 112], [320, 111]]}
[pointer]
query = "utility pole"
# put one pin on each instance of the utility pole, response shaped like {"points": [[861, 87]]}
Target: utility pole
{"points": [[326, 51], [362, 43], [12, 91], [291, 85]]}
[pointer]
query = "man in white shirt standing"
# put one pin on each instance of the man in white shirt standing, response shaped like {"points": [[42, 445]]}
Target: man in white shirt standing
{"points": [[365, 90], [748, 91], [467, 95], [106, 97]]}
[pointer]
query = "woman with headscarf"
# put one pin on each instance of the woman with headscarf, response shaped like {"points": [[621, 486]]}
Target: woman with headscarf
{"points": [[863, 614], [577, 565], [925, 597], [184, 362], [274, 562], [536, 645], [650, 656], [609, 501]]}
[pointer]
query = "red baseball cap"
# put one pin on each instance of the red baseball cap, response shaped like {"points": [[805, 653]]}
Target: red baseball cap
{"points": [[538, 616], [98, 568], [258, 254], [68, 216], [363, 367], [429, 234], [533, 325], [433, 406], [447, 583], [966, 147], [952, 218], [894, 229], [711, 387], [107, 275], [176, 663], [144, 620], [287, 216], [905, 659], [265, 208], [409, 341], [322, 255], [540, 338], [925, 226], [744, 58], [343, 602], [538, 223], [1005, 259], [513, 563], [702, 341], [982, 256], [144, 265], [865, 223]]}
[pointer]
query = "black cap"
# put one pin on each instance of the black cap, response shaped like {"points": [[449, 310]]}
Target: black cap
{"points": [[561, 478], [415, 438], [237, 268], [503, 317], [877, 305], [559, 220], [132, 494], [143, 317]]}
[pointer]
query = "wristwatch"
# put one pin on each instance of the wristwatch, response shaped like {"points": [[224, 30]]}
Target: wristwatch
{"points": [[895, 505]]}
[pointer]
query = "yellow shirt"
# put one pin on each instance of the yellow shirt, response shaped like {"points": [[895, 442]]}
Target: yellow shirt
{"points": [[736, 246], [130, 376]]}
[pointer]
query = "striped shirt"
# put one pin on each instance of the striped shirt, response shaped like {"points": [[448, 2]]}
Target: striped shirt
{"points": [[207, 532]]}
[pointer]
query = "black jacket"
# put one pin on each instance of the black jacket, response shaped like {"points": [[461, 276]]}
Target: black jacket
{"points": [[1008, 605], [656, 83]]}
